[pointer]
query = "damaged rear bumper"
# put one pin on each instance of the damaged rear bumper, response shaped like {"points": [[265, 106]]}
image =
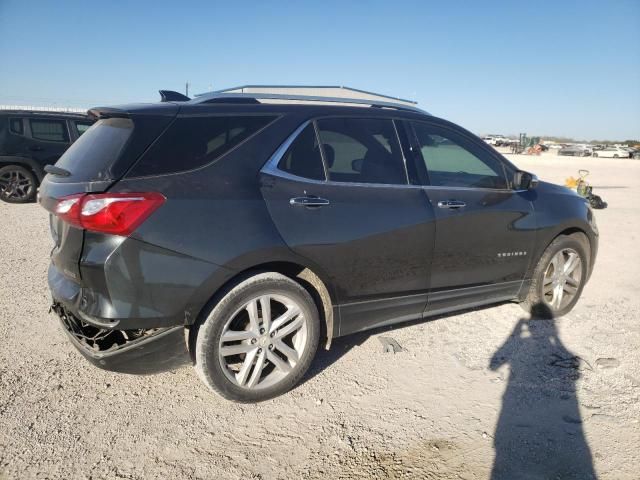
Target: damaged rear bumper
{"points": [[141, 351]]}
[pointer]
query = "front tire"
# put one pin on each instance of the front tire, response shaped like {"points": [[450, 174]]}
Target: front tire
{"points": [[559, 277], [17, 184], [258, 341]]}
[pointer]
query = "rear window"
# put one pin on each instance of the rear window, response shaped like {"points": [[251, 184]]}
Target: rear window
{"points": [[91, 156], [49, 130], [193, 142]]}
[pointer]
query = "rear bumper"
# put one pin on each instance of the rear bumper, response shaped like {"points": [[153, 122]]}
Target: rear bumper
{"points": [[126, 351]]}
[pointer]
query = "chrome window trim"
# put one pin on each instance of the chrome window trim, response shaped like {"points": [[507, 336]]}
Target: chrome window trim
{"points": [[271, 168]]}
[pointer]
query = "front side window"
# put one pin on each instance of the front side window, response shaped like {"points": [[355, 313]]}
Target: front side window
{"points": [[192, 142], [49, 130], [450, 162], [303, 157], [16, 126], [362, 150]]}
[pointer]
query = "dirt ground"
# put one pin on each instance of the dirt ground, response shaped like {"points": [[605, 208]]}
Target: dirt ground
{"points": [[540, 399]]}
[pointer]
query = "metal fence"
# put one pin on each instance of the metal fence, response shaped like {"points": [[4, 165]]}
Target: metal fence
{"points": [[43, 109]]}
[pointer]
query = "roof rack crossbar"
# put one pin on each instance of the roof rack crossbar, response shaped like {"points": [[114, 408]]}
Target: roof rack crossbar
{"points": [[226, 97]]}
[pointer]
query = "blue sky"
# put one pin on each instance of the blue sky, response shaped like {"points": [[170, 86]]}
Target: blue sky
{"points": [[542, 67]]}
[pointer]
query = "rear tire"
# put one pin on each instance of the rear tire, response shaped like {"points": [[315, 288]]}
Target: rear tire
{"points": [[559, 277], [259, 339], [17, 184]]}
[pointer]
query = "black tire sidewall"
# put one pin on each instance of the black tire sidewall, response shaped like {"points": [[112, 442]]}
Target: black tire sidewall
{"points": [[26, 172], [208, 336]]}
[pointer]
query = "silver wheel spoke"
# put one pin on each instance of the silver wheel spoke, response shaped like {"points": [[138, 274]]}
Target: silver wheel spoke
{"points": [[241, 376], [558, 292], [278, 362], [573, 282], [558, 262], [235, 335], [570, 289], [265, 305], [288, 352], [236, 349], [291, 327], [284, 318], [572, 263], [252, 310], [257, 369]]}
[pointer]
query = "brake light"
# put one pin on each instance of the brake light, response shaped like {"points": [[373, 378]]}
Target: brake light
{"points": [[114, 213]]}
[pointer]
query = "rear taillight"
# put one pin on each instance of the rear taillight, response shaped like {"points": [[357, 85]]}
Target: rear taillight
{"points": [[114, 213]]}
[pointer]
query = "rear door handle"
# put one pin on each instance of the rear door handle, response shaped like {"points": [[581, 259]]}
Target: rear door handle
{"points": [[308, 202], [451, 204]]}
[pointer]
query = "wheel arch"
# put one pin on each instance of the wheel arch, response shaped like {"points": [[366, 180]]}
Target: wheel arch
{"points": [[307, 277]]}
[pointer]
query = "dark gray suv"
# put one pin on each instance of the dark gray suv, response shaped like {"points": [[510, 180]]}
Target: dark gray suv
{"points": [[241, 231]]}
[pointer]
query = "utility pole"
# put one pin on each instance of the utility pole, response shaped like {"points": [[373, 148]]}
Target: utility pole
{"points": [[186, 89]]}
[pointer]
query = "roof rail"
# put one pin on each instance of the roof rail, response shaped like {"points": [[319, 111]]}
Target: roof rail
{"points": [[215, 97]]}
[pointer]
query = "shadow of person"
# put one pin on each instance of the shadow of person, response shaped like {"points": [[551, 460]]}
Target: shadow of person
{"points": [[539, 432]]}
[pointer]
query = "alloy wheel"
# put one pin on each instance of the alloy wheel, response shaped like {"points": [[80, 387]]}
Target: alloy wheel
{"points": [[14, 184], [562, 278], [263, 341]]}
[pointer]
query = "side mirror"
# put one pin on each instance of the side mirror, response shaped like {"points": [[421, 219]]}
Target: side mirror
{"points": [[524, 180]]}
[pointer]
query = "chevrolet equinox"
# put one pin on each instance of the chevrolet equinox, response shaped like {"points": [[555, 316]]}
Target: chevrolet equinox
{"points": [[241, 231]]}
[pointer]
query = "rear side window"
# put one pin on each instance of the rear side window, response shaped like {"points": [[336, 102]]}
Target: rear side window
{"points": [[95, 151], [192, 142], [49, 130], [303, 157], [16, 126], [362, 150]]}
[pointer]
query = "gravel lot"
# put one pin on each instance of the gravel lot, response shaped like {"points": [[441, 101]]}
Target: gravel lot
{"points": [[464, 392]]}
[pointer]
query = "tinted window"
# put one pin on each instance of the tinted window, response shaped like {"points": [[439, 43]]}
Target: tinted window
{"points": [[362, 150], [82, 127], [99, 148], [303, 157], [49, 130], [16, 126], [450, 162], [192, 142]]}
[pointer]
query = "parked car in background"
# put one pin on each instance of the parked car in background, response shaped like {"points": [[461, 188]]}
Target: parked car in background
{"points": [[496, 140], [574, 151], [260, 228], [30, 140], [612, 152]]}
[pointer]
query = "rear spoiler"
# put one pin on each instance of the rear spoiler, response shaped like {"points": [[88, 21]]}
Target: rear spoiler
{"points": [[168, 109], [106, 112], [171, 96]]}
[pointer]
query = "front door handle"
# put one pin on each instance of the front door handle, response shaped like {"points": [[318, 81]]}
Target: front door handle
{"points": [[308, 202], [451, 204]]}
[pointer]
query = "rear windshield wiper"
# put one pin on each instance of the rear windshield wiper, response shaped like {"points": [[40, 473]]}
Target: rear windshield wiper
{"points": [[60, 172]]}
